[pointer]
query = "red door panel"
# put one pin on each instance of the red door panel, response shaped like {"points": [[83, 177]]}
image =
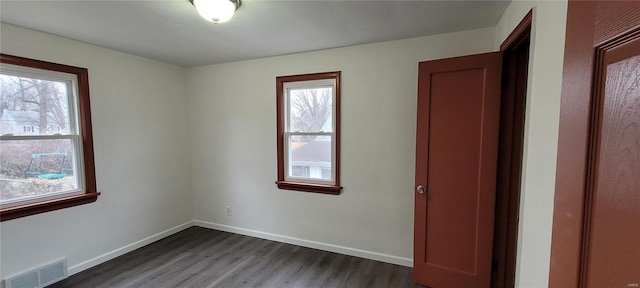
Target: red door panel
{"points": [[456, 158], [613, 257]]}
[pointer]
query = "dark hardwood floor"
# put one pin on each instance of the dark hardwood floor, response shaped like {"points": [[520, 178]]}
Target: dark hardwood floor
{"points": [[200, 257]]}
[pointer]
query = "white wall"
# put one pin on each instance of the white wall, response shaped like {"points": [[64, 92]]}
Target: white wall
{"points": [[140, 137], [233, 143], [541, 133]]}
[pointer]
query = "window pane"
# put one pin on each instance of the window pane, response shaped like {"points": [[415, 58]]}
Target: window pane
{"points": [[310, 110], [36, 167], [310, 157], [33, 106]]}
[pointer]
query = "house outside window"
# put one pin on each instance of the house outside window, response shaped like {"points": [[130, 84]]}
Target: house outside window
{"points": [[325, 173], [300, 171], [46, 155], [309, 132]]}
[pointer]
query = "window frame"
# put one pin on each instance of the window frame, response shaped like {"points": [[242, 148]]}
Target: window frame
{"points": [[86, 164], [284, 182]]}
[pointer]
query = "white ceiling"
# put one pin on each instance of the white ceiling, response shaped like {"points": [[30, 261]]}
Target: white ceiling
{"points": [[173, 32]]}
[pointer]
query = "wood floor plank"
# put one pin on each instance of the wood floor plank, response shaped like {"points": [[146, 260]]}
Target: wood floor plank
{"points": [[204, 258]]}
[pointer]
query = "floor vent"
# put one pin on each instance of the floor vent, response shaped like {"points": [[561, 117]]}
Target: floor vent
{"points": [[39, 277]]}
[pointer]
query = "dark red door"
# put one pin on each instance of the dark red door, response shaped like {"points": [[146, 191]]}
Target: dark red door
{"points": [[596, 231], [613, 235], [456, 159]]}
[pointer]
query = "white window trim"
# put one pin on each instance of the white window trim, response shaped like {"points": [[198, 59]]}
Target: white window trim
{"points": [[75, 133], [311, 84]]}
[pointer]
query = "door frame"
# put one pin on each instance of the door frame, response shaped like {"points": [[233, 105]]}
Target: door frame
{"points": [[512, 124]]}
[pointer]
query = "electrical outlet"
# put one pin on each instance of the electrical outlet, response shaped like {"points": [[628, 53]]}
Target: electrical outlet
{"points": [[228, 210]]}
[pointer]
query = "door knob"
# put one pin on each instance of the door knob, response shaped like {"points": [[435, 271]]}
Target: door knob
{"points": [[421, 189]]}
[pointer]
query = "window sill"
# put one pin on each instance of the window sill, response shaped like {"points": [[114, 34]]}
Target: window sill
{"points": [[310, 187], [46, 206]]}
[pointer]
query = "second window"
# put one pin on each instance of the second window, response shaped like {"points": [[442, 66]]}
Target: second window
{"points": [[309, 132]]}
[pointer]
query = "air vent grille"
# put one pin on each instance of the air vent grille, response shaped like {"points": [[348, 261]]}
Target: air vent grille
{"points": [[53, 273], [29, 280], [39, 277]]}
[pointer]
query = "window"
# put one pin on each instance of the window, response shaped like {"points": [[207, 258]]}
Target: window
{"points": [[309, 132], [46, 159]]}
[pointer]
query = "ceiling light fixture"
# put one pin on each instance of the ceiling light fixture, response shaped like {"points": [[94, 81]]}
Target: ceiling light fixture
{"points": [[216, 11]]}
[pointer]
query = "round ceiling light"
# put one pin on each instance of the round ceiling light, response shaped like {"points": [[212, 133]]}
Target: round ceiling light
{"points": [[216, 11]]}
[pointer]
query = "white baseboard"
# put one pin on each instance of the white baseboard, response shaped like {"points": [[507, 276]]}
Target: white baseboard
{"points": [[128, 248], [408, 262]]}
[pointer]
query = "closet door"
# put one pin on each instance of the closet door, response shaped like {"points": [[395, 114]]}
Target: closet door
{"points": [[456, 160]]}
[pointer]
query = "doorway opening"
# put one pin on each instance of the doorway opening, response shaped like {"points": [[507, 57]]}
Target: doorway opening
{"points": [[512, 119]]}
